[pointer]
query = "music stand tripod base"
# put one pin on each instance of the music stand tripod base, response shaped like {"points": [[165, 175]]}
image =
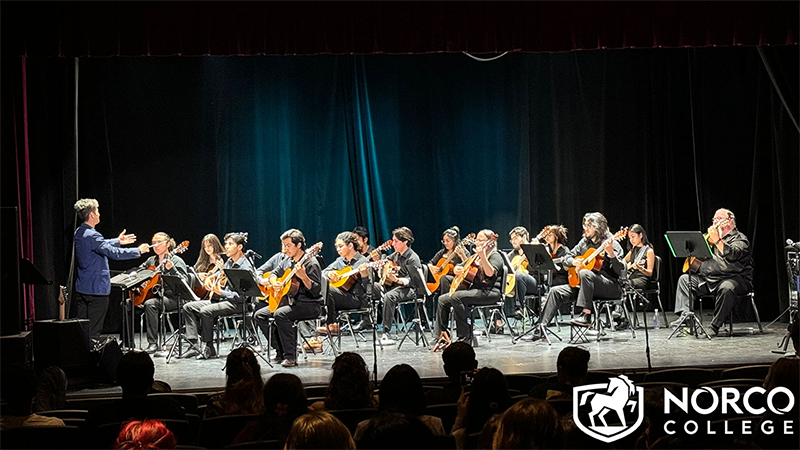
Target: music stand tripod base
{"points": [[416, 325], [179, 287], [693, 325], [243, 283]]}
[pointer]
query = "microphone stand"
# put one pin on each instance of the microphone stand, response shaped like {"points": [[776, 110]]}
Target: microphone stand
{"points": [[372, 300], [628, 291]]}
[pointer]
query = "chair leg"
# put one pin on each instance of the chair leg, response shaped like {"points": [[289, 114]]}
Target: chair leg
{"points": [[665, 324], [482, 314], [755, 310]]}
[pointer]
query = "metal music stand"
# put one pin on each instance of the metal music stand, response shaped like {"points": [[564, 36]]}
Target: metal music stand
{"points": [[243, 283], [685, 244], [125, 281], [179, 287], [540, 261]]}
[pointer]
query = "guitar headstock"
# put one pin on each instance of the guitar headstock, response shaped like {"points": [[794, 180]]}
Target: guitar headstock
{"points": [[545, 232], [621, 234], [181, 248], [469, 239], [313, 250], [385, 246], [63, 294]]}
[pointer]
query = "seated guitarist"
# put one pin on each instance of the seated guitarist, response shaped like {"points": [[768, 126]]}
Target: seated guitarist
{"points": [[405, 283], [304, 305], [728, 275], [204, 312], [450, 240], [601, 285], [485, 288], [344, 297], [524, 282], [162, 244], [211, 250]]}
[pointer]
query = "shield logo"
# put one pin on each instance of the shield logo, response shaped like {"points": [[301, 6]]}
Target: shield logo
{"points": [[613, 413]]}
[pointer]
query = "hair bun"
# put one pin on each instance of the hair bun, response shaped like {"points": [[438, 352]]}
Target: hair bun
{"points": [[455, 227]]}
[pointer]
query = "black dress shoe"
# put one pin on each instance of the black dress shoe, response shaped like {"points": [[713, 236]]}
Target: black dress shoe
{"points": [[714, 330], [582, 321]]}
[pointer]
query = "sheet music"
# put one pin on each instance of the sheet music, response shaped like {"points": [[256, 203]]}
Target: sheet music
{"points": [[127, 280]]}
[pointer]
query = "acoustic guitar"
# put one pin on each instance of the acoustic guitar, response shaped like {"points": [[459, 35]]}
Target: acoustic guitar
{"points": [[590, 259], [376, 252], [288, 283], [444, 266], [520, 263], [389, 268], [467, 277], [147, 291], [692, 263], [348, 275]]}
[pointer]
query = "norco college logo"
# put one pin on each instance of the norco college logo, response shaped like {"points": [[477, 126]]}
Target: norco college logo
{"points": [[604, 398], [625, 402]]}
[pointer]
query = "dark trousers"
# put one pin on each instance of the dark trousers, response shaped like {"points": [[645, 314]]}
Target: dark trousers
{"points": [[152, 309], [390, 301], [284, 334], [596, 286], [203, 313], [459, 301], [524, 284], [337, 299], [725, 293], [557, 296], [94, 308]]}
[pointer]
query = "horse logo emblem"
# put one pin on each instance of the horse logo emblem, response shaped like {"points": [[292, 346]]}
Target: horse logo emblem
{"points": [[614, 397]]}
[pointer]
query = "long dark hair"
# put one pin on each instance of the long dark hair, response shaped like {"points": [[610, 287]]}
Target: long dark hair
{"points": [[453, 233], [489, 396], [401, 389], [284, 401], [244, 389], [638, 229], [350, 386], [203, 260]]}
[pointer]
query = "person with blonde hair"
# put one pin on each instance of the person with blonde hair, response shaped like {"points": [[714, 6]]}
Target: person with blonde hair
{"points": [[319, 430], [164, 300]]}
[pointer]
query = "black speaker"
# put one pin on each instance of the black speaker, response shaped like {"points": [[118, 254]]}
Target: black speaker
{"points": [[109, 356], [62, 343], [10, 288], [17, 348]]}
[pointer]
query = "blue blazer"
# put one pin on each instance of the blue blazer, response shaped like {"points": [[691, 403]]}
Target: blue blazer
{"points": [[92, 251]]}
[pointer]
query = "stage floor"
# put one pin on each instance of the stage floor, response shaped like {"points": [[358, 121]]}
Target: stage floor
{"points": [[616, 350]]}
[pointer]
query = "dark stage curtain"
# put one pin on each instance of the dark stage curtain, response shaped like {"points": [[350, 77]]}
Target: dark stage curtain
{"points": [[661, 137], [217, 28]]}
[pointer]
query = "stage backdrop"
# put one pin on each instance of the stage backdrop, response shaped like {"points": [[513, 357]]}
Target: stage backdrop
{"points": [[192, 145]]}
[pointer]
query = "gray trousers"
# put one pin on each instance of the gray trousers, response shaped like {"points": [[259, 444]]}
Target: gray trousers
{"points": [[725, 293], [203, 312], [390, 301]]}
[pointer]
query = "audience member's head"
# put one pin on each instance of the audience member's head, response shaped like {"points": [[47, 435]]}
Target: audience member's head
{"points": [[396, 429], [284, 401], [458, 357], [486, 437], [18, 385], [489, 396], [244, 388], [140, 434], [401, 389], [135, 373], [572, 365], [51, 392], [784, 372], [319, 429], [350, 387], [529, 423]]}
